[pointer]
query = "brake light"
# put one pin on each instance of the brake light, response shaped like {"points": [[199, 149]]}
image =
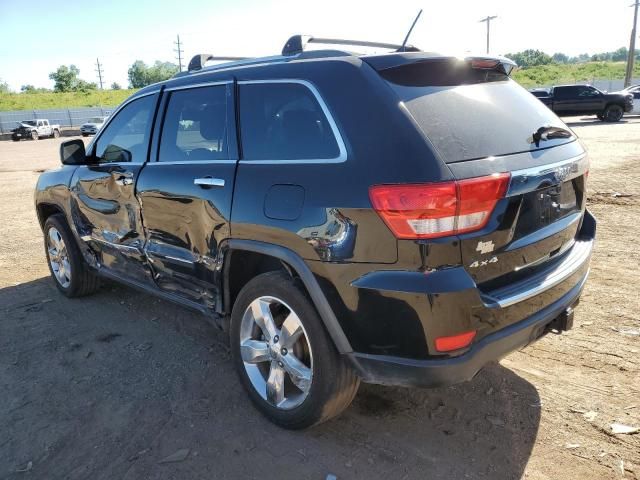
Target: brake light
{"points": [[414, 211], [484, 63], [455, 342]]}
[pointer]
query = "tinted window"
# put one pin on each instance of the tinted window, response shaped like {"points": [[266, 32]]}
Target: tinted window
{"points": [[195, 125], [588, 92], [565, 92], [126, 138], [481, 120], [284, 121]]}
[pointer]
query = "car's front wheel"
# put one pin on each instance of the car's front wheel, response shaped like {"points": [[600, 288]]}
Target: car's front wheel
{"points": [[68, 269], [284, 357]]}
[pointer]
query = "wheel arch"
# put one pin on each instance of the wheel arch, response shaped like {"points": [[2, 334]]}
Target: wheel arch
{"points": [[45, 210], [274, 258]]}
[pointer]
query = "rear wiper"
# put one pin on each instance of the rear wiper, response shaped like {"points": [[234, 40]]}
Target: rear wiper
{"points": [[549, 133]]}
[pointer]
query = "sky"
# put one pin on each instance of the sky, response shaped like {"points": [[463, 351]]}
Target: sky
{"points": [[34, 41]]}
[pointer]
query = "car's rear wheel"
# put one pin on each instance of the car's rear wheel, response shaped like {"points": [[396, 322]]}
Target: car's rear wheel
{"points": [[56, 133], [68, 269], [284, 357], [613, 113], [34, 135]]}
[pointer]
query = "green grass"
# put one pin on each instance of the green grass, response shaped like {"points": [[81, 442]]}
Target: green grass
{"points": [[583, 72], [41, 101]]}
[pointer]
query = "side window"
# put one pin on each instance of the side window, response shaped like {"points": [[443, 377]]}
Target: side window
{"points": [[588, 92], [565, 92], [126, 138], [284, 121], [195, 125]]}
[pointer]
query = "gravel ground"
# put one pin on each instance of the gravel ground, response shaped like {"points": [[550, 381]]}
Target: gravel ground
{"points": [[123, 385]]}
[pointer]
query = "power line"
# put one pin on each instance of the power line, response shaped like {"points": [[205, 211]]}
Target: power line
{"points": [[488, 20], [99, 71], [632, 46], [179, 51]]}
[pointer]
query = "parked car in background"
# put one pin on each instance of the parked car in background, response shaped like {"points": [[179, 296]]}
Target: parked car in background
{"points": [[92, 126], [635, 91], [253, 193], [586, 100], [35, 129]]}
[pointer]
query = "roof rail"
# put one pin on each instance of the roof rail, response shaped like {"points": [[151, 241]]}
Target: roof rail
{"points": [[296, 44], [198, 61]]}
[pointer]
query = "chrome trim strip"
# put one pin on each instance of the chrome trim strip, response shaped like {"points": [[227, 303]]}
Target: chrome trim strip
{"points": [[198, 85], [192, 162], [530, 179], [342, 157], [510, 295], [123, 248]]}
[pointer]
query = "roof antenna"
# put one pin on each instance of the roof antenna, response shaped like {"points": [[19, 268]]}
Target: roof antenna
{"points": [[403, 47]]}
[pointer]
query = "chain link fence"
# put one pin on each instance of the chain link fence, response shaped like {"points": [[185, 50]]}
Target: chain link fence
{"points": [[65, 117]]}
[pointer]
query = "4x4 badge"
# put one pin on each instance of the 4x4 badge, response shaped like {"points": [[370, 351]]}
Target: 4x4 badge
{"points": [[485, 247], [482, 263]]}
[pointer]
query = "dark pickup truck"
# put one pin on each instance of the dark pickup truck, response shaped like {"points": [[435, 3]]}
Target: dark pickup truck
{"points": [[585, 100]]}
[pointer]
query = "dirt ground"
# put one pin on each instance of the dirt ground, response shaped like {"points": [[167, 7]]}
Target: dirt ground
{"points": [[119, 384]]}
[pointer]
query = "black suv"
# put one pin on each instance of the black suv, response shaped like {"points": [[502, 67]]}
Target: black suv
{"points": [[400, 218]]}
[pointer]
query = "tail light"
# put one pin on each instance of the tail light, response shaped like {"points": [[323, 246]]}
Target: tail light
{"points": [[414, 211]]}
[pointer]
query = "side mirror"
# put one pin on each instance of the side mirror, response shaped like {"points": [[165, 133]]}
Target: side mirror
{"points": [[72, 152]]}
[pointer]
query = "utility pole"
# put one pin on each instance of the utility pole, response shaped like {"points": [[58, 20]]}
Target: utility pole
{"points": [[99, 70], [632, 46], [488, 20], [179, 51]]}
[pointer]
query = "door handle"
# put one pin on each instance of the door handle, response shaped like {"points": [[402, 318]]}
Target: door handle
{"points": [[209, 182]]}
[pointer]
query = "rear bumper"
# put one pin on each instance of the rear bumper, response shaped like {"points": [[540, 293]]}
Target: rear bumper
{"points": [[506, 319], [387, 370]]}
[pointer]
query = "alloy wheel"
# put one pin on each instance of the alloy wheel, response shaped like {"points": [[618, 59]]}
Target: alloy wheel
{"points": [[276, 352], [59, 257]]}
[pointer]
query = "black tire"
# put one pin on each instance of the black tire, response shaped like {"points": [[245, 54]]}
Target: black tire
{"points": [[600, 116], [85, 134], [56, 133], [334, 384], [34, 135], [82, 280], [15, 139], [613, 113]]}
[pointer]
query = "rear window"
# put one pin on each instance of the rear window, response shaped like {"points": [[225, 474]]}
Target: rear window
{"points": [[471, 113], [284, 121]]}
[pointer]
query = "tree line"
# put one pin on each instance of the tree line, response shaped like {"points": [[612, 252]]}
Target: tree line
{"points": [[533, 58], [66, 78]]}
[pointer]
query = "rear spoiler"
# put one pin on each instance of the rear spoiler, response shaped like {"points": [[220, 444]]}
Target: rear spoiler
{"points": [[484, 62]]}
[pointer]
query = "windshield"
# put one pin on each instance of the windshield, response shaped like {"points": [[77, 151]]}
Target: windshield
{"points": [[96, 120], [29, 122]]}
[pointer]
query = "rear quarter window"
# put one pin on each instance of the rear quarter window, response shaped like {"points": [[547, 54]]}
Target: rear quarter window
{"points": [[284, 121]]}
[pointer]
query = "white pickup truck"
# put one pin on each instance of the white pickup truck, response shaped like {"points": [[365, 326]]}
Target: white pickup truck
{"points": [[35, 129]]}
